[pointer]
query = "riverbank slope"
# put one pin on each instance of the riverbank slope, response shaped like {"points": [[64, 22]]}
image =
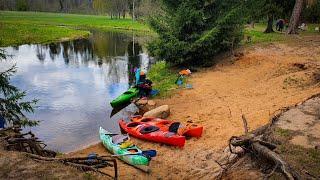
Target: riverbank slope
{"points": [[258, 83], [18, 28]]}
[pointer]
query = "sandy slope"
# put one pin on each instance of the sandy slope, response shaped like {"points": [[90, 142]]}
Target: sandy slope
{"points": [[256, 84]]}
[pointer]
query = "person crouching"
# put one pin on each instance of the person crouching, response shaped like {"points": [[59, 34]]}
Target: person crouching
{"points": [[144, 85]]}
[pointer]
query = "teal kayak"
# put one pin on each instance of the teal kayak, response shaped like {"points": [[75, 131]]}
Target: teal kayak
{"points": [[138, 161], [124, 98]]}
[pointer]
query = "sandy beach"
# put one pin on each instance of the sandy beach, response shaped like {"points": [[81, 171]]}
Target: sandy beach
{"points": [[262, 81]]}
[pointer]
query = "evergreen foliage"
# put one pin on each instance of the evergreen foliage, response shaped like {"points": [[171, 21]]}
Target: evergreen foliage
{"points": [[311, 12], [12, 106], [22, 5], [191, 32]]}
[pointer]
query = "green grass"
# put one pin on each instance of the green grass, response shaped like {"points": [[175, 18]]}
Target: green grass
{"points": [[258, 36], [311, 30], [283, 132], [88, 176], [301, 158], [73, 20], [293, 81], [163, 78], [16, 34], [37, 27]]}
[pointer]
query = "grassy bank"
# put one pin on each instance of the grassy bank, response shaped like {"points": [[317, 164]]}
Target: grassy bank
{"points": [[257, 34], [16, 34], [163, 77], [37, 27]]}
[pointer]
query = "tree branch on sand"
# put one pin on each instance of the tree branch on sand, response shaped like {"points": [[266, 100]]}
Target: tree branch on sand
{"points": [[14, 140], [84, 163], [251, 142]]}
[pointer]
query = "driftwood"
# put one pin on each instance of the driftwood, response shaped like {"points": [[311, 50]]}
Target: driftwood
{"points": [[84, 164], [35, 149], [24, 142], [16, 129], [252, 143]]}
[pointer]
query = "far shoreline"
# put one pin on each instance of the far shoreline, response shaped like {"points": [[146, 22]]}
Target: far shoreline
{"points": [[19, 28]]}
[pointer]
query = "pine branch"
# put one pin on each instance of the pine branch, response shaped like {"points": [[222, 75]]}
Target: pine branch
{"points": [[12, 106]]}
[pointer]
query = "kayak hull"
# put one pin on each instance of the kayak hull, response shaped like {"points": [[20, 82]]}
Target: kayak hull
{"points": [[135, 160], [190, 129], [165, 137], [125, 98]]}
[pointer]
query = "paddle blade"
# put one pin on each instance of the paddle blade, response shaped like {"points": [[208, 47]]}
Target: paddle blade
{"points": [[154, 92], [118, 109], [150, 153]]}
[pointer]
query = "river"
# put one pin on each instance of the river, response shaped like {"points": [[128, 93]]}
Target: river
{"points": [[74, 82]]}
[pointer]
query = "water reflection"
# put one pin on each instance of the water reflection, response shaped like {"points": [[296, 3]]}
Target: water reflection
{"points": [[75, 81]]}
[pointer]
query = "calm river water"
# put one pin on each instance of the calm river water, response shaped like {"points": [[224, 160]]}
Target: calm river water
{"points": [[74, 82]]}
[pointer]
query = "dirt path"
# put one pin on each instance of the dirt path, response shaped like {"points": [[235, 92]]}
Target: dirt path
{"points": [[257, 84]]}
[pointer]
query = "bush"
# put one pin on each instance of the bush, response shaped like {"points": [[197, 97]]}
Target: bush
{"points": [[191, 32], [163, 78]]}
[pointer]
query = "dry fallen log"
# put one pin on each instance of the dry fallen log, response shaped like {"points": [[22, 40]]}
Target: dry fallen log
{"points": [[245, 124], [15, 129], [24, 142], [35, 149], [267, 153], [83, 163], [252, 143]]}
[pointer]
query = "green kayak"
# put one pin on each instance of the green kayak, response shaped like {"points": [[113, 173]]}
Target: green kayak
{"points": [[124, 98], [138, 161]]}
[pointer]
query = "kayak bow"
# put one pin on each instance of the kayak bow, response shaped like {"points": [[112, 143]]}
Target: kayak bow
{"points": [[124, 98]]}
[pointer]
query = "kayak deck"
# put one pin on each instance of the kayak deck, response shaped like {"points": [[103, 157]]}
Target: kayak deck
{"points": [[138, 161], [151, 133], [189, 129], [125, 97]]}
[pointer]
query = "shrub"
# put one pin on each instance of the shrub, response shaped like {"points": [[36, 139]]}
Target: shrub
{"points": [[191, 32], [163, 78]]}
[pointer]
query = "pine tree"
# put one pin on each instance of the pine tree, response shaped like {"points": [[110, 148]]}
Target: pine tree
{"points": [[191, 32], [12, 106], [295, 17]]}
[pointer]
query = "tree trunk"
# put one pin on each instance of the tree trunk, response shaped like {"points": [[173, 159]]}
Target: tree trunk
{"points": [[133, 16], [295, 17], [252, 24], [124, 14], [61, 5], [270, 24]]}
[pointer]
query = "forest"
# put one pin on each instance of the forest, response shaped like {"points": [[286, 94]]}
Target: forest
{"points": [[112, 8]]}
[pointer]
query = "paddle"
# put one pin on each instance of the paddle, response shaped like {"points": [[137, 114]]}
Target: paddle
{"points": [[154, 92], [111, 134], [149, 153], [118, 109]]}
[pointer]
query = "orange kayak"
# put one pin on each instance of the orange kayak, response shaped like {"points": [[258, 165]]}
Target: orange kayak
{"points": [[190, 129], [153, 133]]}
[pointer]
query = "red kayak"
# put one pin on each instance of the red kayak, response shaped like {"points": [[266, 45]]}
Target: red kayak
{"points": [[153, 133], [190, 129]]}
